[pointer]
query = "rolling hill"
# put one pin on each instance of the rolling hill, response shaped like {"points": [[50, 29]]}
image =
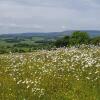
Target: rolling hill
{"points": [[92, 33]]}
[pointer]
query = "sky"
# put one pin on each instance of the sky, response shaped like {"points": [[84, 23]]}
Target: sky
{"points": [[17, 16]]}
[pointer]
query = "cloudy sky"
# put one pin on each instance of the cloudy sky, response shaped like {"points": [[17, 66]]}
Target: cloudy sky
{"points": [[48, 15]]}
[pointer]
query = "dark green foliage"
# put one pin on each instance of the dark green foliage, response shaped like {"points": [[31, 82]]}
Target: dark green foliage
{"points": [[62, 42], [95, 41], [79, 38]]}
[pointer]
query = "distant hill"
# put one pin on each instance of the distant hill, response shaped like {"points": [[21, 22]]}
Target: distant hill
{"points": [[92, 33]]}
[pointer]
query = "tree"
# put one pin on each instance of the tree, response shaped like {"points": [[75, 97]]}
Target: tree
{"points": [[79, 38], [62, 42]]}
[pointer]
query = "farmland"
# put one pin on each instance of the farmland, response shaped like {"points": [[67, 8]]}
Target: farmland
{"points": [[29, 42], [61, 74]]}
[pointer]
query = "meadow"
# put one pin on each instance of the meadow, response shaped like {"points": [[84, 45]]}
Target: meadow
{"points": [[62, 74]]}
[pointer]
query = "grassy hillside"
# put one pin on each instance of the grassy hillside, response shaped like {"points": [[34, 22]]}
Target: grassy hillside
{"points": [[28, 42], [62, 74]]}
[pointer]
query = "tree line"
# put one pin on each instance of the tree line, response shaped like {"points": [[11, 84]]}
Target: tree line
{"points": [[76, 39]]}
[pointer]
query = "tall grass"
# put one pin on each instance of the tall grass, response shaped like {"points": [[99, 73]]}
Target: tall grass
{"points": [[62, 74]]}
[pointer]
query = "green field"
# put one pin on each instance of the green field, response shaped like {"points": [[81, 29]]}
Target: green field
{"points": [[62, 74], [30, 42], [23, 44]]}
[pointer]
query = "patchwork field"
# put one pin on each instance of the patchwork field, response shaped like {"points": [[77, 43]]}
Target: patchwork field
{"points": [[62, 74]]}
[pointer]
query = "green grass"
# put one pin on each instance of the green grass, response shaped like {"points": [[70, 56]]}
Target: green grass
{"points": [[37, 38], [62, 74]]}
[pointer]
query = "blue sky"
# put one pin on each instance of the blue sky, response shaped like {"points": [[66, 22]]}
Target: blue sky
{"points": [[48, 15]]}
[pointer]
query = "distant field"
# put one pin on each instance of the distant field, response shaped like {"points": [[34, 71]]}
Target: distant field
{"points": [[16, 43], [62, 74], [12, 40], [28, 42]]}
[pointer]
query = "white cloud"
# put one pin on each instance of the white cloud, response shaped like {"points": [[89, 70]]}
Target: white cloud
{"points": [[48, 15]]}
